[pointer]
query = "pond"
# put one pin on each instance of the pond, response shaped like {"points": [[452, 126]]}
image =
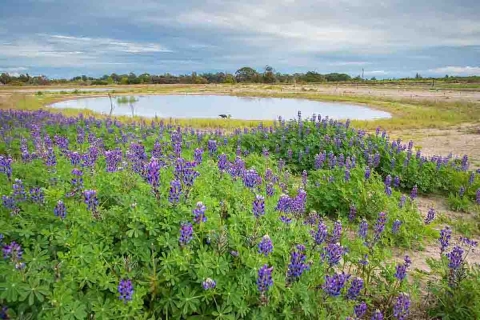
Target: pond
{"points": [[212, 106]]}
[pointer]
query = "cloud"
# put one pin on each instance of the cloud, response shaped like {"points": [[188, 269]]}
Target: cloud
{"points": [[390, 37], [457, 71]]}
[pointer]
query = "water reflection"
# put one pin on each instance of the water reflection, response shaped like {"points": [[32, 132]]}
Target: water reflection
{"points": [[211, 106]]}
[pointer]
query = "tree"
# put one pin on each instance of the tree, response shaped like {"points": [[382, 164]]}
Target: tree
{"points": [[246, 74], [269, 74], [418, 76], [5, 78]]}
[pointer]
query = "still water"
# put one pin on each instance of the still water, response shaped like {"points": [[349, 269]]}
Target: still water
{"points": [[211, 106]]}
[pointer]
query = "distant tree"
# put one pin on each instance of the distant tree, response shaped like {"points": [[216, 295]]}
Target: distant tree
{"points": [[229, 78], [246, 74], [373, 79], [312, 76], [5, 78], [269, 75], [418, 76]]}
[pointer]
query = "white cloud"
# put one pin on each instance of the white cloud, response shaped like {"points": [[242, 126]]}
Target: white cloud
{"points": [[457, 71], [376, 72]]}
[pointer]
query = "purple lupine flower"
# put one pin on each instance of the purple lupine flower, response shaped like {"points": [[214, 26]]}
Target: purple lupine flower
{"points": [[186, 233], [285, 219], [414, 192], [337, 232], [153, 175], [74, 158], [471, 179], [430, 216], [258, 206], [334, 284], [265, 246], [15, 253], [4, 313], [377, 315], [402, 201], [379, 226], [396, 226], [396, 182], [347, 175], [464, 162], [199, 213], [91, 200], [367, 173], [352, 213], [60, 210], [477, 197], [360, 310], [401, 308], [363, 229], [333, 253], [284, 204], [461, 191], [125, 289], [321, 234], [10, 204], [356, 285], [19, 191], [388, 191], [401, 271], [251, 178], [222, 162], [212, 146], [468, 242], [270, 190], [113, 158], [175, 191], [51, 159], [364, 260], [297, 264], [445, 235], [6, 166], [455, 257], [36, 195], [264, 279], [304, 178], [297, 204], [388, 181], [209, 284], [198, 155]]}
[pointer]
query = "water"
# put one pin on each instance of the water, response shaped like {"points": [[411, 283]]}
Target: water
{"points": [[211, 106]]}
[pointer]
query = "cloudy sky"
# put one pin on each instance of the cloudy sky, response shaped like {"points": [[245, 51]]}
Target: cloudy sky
{"points": [[389, 38]]}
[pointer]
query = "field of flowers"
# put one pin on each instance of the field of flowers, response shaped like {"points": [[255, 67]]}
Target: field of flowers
{"points": [[102, 219]]}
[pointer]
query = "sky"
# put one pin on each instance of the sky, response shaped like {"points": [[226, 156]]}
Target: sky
{"points": [[389, 38]]}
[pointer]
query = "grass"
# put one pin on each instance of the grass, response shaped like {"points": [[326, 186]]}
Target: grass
{"points": [[406, 113]]}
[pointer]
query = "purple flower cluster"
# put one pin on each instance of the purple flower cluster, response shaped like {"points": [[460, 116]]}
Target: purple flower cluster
{"points": [[414, 193], [360, 310], [264, 279], [401, 269], [297, 264], [125, 289], [91, 200], [445, 235], [153, 175], [175, 191], [455, 258], [335, 283], [198, 155], [113, 158], [19, 191], [352, 213], [320, 235], [13, 251], [396, 226], [37, 195], [363, 229], [209, 284], [356, 285], [379, 226], [212, 146], [186, 233], [258, 206], [265, 246], [199, 213], [377, 315], [430, 216], [333, 252], [251, 178], [337, 232], [401, 308], [6, 166], [60, 210]]}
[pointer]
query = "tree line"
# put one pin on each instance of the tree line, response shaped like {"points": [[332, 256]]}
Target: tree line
{"points": [[242, 75]]}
